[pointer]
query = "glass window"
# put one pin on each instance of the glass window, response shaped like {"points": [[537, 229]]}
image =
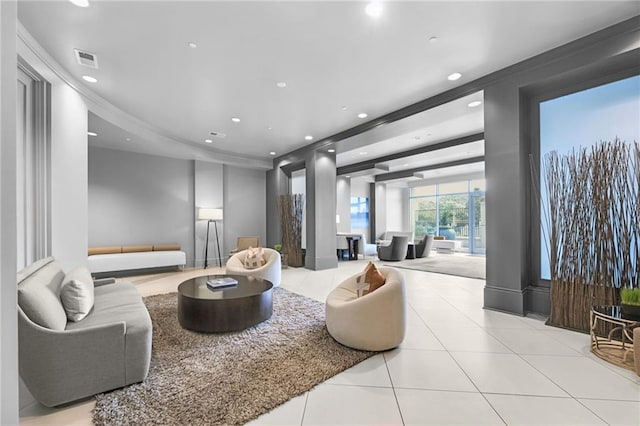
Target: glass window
{"points": [[453, 187], [583, 119], [359, 212], [423, 190], [477, 185]]}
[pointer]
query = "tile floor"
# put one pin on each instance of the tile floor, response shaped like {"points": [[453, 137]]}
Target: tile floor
{"points": [[459, 364]]}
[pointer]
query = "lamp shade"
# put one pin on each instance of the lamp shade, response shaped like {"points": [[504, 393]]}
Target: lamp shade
{"points": [[210, 214]]}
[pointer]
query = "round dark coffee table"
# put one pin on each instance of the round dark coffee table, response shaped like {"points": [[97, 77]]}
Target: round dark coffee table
{"points": [[225, 309]]}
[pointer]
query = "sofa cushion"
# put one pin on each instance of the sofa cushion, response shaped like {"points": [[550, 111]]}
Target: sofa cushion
{"points": [[166, 247], [77, 293], [254, 258], [134, 249], [104, 250], [118, 302], [39, 293], [373, 277]]}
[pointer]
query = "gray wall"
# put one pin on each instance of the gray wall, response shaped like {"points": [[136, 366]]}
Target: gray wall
{"points": [[140, 199], [208, 194], [245, 204]]}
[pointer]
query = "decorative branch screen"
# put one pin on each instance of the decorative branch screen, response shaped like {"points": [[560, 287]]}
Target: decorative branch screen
{"points": [[290, 207], [594, 228]]}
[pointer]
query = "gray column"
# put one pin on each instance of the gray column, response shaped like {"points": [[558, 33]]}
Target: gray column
{"points": [[506, 174], [321, 210], [277, 184]]}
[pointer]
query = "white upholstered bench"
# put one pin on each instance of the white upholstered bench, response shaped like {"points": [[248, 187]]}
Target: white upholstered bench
{"points": [[128, 258]]}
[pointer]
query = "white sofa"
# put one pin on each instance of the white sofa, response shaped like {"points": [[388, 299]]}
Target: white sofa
{"points": [[128, 258], [61, 360]]}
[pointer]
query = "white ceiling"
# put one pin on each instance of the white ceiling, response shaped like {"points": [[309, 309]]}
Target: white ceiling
{"points": [[330, 54]]}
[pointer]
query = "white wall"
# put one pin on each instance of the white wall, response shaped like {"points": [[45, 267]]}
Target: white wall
{"points": [[343, 203], [140, 199], [245, 205], [69, 188], [398, 209], [8, 247]]}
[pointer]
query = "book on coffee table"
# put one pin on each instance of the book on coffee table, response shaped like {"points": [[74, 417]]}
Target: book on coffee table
{"points": [[222, 282]]}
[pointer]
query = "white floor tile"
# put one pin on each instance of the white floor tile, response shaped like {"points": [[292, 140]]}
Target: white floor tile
{"points": [[534, 343], [418, 335], [370, 372], [535, 411], [289, 413], [505, 373], [492, 319], [585, 378], [616, 413], [426, 407], [351, 405], [469, 340], [579, 342], [434, 370]]}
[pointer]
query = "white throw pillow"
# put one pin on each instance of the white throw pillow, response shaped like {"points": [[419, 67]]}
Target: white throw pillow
{"points": [[77, 293], [254, 258]]}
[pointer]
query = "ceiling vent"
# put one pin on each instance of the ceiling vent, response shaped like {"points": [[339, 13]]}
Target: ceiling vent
{"points": [[217, 135], [87, 59]]}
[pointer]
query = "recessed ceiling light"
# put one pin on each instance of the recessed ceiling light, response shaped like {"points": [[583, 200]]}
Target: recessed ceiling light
{"points": [[405, 165], [272, 153], [192, 45], [454, 76], [281, 84], [80, 3], [235, 119], [308, 137], [433, 39], [269, 128], [89, 79], [474, 104], [374, 9], [128, 139], [344, 108], [347, 176], [363, 153], [208, 141], [362, 115], [331, 150], [92, 134]]}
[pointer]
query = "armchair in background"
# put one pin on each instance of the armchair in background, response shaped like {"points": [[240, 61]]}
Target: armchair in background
{"points": [[423, 248], [395, 251], [244, 243]]}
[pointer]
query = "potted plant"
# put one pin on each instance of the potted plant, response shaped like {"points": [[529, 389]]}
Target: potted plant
{"points": [[630, 302]]}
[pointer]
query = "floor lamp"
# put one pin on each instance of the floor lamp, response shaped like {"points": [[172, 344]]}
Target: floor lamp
{"points": [[211, 215]]}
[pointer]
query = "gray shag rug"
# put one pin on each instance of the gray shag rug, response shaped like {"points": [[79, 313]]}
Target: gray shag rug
{"points": [[470, 266], [231, 378]]}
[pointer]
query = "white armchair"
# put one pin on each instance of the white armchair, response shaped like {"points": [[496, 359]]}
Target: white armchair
{"points": [[374, 322], [270, 271]]}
